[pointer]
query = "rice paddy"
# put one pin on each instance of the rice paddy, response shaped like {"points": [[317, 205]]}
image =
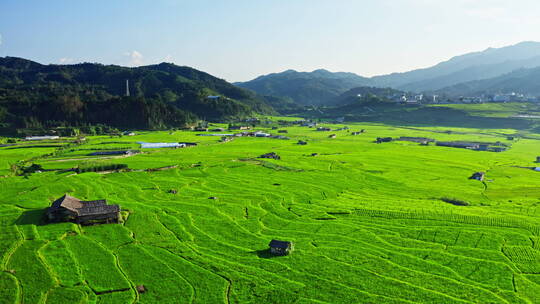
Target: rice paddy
{"points": [[370, 223]]}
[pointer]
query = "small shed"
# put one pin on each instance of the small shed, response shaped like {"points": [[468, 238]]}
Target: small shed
{"points": [[71, 209], [271, 155], [280, 247], [478, 176], [383, 139]]}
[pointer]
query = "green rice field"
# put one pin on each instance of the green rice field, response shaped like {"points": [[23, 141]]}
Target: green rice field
{"points": [[370, 223]]}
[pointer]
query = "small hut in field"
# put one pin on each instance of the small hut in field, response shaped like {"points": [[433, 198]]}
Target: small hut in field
{"points": [[71, 209], [280, 247], [478, 176]]}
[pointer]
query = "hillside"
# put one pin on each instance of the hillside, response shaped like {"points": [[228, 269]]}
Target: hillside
{"points": [[367, 94], [305, 88], [525, 81], [321, 87], [162, 95], [490, 63]]}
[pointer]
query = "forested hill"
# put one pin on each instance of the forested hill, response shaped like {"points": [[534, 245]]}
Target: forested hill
{"points": [[163, 95], [306, 88]]}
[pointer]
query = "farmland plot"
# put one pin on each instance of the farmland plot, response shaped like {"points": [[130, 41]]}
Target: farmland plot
{"points": [[370, 223]]}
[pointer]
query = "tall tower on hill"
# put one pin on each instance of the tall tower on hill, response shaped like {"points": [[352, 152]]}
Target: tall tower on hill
{"points": [[127, 87]]}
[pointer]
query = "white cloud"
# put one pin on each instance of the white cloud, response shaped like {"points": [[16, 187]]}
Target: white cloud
{"points": [[65, 60], [135, 58], [168, 58]]}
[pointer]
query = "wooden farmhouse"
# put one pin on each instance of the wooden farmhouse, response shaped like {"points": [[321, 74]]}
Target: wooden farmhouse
{"points": [[71, 209], [280, 247]]}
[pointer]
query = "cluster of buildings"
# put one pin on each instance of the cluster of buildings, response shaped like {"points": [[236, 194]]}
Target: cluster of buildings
{"points": [[411, 98]]}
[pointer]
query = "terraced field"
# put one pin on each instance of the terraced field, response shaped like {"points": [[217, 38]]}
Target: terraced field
{"points": [[368, 221]]}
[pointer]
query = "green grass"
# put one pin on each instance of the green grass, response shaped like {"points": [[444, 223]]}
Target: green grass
{"points": [[368, 221]]}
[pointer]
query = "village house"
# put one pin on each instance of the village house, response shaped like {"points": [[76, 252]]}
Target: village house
{"points": [[459, 144], [420, 140], [383, 139], [213, 97], [188, 144], [323, 129], [71, 209], [478, 176], [239, 128], [280, 247], [271, 155]]}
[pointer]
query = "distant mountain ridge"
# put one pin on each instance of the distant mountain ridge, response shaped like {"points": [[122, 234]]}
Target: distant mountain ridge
{"points": [[323, 87], [305, 88], [490, 63], [524, 81]]}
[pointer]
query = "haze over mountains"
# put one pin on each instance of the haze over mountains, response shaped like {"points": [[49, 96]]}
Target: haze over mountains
{"points": [[461, 75]]}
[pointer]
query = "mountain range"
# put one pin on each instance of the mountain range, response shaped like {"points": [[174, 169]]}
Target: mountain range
{"points": [[161, 96], [478, 72]]}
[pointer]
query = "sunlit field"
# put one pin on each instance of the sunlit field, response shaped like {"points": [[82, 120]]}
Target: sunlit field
{"points": [[370, 223]]}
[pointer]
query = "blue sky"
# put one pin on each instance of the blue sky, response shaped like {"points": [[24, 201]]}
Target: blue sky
{"points": [[241, 39]]}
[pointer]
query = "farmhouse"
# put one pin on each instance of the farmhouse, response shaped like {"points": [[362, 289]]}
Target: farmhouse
{"points": [[261, 134], [323, 129], [239, 128], [71, 209], [383, 139], [420, 140], [478, 176], [459, 144], [188, 144], [271, 155], [280, 247]]}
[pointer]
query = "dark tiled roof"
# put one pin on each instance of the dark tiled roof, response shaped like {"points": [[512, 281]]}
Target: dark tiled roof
{"points": [[279, 244], [99, 209], [82, 208], [69, 202]]}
